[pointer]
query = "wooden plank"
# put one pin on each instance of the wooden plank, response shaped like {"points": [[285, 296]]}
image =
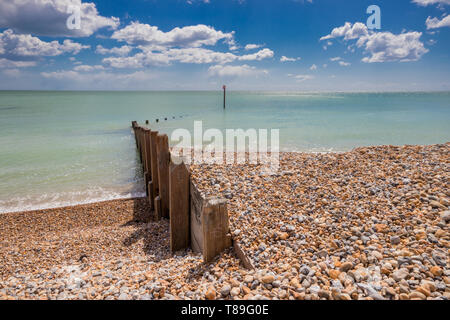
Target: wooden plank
{"points": [[157, 208], [139, 143], [142, 144], [136, 134], [144, 150], [151, 196], [179, 206], [148, 153], [216, 235], [154, 162], [196, 219], [242, 256], [147, 182], [134, 125], [162, 143]]}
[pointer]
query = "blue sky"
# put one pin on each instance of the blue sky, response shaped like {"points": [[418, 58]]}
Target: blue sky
{"points": [[282, 45]]}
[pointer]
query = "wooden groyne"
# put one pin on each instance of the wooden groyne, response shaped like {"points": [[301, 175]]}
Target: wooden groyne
{"points": [[195, 222]]}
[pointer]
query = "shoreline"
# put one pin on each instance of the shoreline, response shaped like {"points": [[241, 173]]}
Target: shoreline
{"points": [[94, 201], [371, 224]]}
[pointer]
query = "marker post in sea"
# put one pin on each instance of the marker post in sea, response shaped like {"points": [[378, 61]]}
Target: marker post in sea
{"points": [[224, 95]]}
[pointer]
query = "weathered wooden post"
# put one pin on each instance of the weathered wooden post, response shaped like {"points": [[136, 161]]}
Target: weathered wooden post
{"points": [[216, 232], [134, 125], [210, 233], [144, 152], [179, 206], [154, 164], [148, 165], [162, 143], [140, 142], [136, 135], [158, 210]]}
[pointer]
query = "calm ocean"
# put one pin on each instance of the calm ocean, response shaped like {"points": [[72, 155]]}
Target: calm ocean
{"points": [[63, 148]]}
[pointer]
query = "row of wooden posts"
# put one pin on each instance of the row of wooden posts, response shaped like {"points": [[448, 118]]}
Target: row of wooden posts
{"points": [[196, 222]]}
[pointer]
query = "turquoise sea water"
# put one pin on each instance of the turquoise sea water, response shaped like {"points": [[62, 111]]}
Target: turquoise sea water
{"points": [[62, 148]]}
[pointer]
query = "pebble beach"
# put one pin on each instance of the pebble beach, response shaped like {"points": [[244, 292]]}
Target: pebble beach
{"points": [[367, 224]]}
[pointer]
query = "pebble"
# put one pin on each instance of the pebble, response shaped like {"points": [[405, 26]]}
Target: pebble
{"points": [[445, 216], [395, 240], [351, 225], [346, 266], [235, 292], [268, 278], [210, 294], [400, 274]]}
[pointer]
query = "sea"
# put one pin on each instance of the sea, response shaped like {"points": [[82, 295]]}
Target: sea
{"points": [[62, 148]]}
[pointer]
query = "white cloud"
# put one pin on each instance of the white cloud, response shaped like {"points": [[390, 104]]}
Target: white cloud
{"points": [[182, 55], [190, 36], [434, 23], [303, 77], [5, 63], [287, 59], [49, 17], [386, 47], [382, 46], [139, 60], [88, 68], [14, 45], [234, 71], [348, 31], [336, 59], [102, 79], [344, 64], [313, 67], [260, 55], [193, 1], [428, 2], [199, 56], [252, 46], [119, 51]]}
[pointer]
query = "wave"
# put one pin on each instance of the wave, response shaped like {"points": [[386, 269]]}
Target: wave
{"points": [[64, 199]]}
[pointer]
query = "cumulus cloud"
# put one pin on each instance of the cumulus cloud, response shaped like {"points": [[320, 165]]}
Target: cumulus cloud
{"points": [[348, 31], [118, 51], [252, 46], [234, 71], [381, 46], [385, 47], [190, 36], [434, 23], [183, 55], [49, 17], [313, 67], [6, 63], [287, 59], [88, 68], [15, 46], [429, 2], [260, 55]]}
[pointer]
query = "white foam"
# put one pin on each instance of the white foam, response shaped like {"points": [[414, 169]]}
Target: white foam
{"points": [[58, 200]]}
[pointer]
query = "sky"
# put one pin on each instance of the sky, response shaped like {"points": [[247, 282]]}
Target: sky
{"points": [[278, 45]]}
